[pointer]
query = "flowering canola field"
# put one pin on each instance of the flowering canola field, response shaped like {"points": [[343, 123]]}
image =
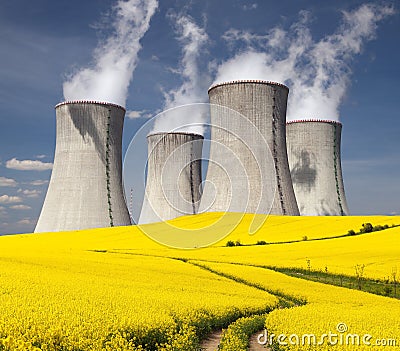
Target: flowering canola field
{"points": [[120, 289], [328, 309], [378, 251], [68, 298]]}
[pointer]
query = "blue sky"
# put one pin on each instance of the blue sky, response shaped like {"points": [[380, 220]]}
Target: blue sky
{"points": [[44, 43]]}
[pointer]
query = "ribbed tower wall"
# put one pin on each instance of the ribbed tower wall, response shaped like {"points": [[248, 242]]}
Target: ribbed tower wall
{"points": [[85, 189], [314, 153], [173, 186], [248, 169]]}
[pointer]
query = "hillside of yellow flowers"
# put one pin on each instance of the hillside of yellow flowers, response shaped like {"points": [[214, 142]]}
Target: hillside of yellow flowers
{"points": [[165, 286]]}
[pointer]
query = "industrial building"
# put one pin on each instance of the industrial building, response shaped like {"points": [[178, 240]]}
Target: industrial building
{"points": [[85, 189], [248, 169], [173, 186], [258, 163], [315, 164]]}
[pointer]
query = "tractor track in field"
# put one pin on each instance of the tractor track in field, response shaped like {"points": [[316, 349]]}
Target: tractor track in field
{"points": [[211, 343]]}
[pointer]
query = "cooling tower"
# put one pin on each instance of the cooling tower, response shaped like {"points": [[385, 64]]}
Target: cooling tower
{"points": [[315, 164], [85, 189], [248, 169], [173, 186]]}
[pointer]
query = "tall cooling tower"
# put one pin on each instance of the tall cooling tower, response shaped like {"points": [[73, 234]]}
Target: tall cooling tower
{"points": [[173, 186], [85, 189], [248, 169], [315, 164]]}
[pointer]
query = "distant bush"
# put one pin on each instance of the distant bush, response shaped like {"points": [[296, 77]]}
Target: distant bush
{"points": [[366, 228], [305, 238], [351, 232], [231, 243], [261, 242]]}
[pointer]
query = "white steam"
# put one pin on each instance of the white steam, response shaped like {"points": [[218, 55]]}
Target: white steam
{"points": [[316, 72], [116, 58], [193, 40]]}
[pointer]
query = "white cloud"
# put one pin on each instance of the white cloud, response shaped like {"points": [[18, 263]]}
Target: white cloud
{"points": [[40, 156], [29, 193], [5, 199], [20, 207], [138, 114], [7, 182], [28, 165], [38, 182], [25, 221], [250, 7]]}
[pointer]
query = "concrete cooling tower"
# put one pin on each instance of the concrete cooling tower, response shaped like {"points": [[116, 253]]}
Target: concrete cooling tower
{"points": [[248, 169], [173, 186], [85, 189], [315, 164]]}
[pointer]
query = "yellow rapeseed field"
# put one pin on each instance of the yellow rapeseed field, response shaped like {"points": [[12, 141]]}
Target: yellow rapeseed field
{"points": [[378, 251], [124, 288], [217, 228], [329, 309], [56, 296]]}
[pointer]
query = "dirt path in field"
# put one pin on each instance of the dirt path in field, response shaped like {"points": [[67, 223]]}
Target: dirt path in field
{"points": [[212, 342]]}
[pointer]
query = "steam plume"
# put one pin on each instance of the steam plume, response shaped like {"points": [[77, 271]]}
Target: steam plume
{"points": [[193, 40], [115, 59], [317, 72]]}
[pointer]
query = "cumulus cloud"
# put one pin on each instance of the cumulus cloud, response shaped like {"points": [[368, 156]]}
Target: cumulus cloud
{"points": [[26, 221], [38, 182], [193, 40], [28, 165], [40, 156], [20, 207], [7, 182], [116, 58], [248, 7], [317, 72], [29, 193], [6, 199], [138, 114]]}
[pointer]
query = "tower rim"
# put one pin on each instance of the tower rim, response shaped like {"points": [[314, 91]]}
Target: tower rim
{"points": [[328, 121], [244, 81], [175, 132], [89, 102]]}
